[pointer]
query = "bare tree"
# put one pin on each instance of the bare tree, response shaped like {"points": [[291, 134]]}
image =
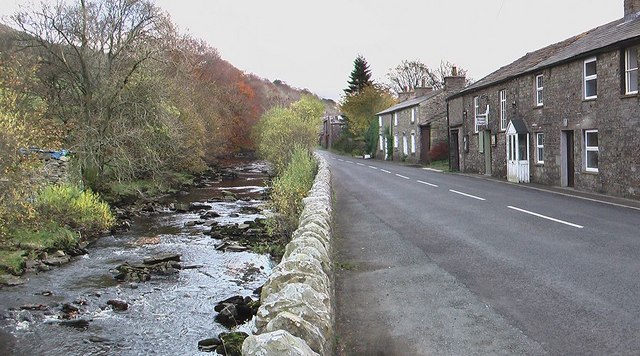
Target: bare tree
{"points": [[409, 75]]}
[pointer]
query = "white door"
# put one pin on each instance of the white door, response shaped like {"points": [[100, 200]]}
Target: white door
{"points": [[517, 155]]}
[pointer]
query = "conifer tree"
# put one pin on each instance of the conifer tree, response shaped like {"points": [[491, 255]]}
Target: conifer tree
{"points": [[360, 76]]}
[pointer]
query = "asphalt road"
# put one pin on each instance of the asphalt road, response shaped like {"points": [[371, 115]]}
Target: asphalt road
{"points": [[442, 264]]}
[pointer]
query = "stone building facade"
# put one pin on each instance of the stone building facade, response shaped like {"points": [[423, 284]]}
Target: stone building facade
{"points": [[565, 115], [417, 125]]}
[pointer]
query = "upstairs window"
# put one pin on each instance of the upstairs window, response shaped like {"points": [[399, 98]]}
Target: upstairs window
{"points": [[380, 121], [413, 142], [395, 141], [413, 115], [503, 109], [476, 109], [395, 119], [539, 90], [631, 70], [590, 79], [540, 147], [591, 150]]}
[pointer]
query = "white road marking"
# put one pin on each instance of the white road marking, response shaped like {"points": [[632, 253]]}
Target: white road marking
{"points": [[359, 164], [384, 170], [433, 170], [349, 162], [466, 195], [425, 183], [401, 176], [372, 167], [545, 217], [340, 159]]}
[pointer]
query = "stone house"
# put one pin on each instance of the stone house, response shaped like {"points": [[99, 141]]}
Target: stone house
{"points": [[332, 128], [565, 115], [417, 124]]}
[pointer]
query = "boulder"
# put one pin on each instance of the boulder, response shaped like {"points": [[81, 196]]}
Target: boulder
{"points": [[195, 206], [277, 343], [76, 323], [118, 305], [209, 215], [163, 257]]}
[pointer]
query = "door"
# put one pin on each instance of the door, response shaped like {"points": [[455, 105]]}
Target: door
{"points": [[454, 152], [425, 143], [487, 152], [517, 152], [567, 158]]}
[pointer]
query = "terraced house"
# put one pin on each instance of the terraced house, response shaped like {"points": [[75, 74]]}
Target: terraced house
{"points": [[565, 115], [417, 125]]}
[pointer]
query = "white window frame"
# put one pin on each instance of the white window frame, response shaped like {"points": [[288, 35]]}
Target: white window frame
{"points": [[588, 148], [539, 148], [381, 140], [629, 71], [395, 141], [540, 90], [413, 142], [476, 108], [380, 121], [405, 144], [503, 109], [588, 78], [413, 115], [395, 119]]}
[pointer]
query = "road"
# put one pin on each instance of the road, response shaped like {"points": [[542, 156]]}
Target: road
{"points": [[443, 264]]}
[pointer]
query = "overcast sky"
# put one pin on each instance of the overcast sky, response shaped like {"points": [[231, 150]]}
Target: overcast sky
{"points": [[312, 44]]}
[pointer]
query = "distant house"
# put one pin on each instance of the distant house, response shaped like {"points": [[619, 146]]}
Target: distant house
{"points": [[332, 127], [566, 115], [417, 125]]}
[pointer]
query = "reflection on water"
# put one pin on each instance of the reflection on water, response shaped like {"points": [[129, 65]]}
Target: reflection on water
{"points": [[167, 315]]}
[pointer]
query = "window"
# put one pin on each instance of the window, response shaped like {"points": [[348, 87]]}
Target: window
{"points": [[380, 121], [413, 115], [405, 145], [413, 142], [540, 148], [631, 70], [539, 90], [476, 109], [381, 140], [591, 150], [590, 79], [503, 109], [395, 141], [395, 119]]}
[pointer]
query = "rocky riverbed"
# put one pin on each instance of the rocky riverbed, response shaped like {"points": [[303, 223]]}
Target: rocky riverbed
{"points": [[155, 289]]}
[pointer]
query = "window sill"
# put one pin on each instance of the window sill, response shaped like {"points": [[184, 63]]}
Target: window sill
{"points": [[629, 96], [590, 99], [535, 107], [539, 164], [593, 173]]}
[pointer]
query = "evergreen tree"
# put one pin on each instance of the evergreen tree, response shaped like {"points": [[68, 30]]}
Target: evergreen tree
{"points": [[360, 76]]}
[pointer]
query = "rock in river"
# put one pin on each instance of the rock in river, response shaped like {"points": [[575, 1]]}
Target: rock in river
{"points": [[118, 305], [163, 257], [236, 310]]}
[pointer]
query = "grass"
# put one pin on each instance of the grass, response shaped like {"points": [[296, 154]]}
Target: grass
{"points": [[49, 237], [346, 266], [12, 261], [441, 165]]}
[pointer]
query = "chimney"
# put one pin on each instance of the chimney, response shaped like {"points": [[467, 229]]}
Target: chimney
{"points": [[422, 91], [631, 9], [404, 96], [454, 83]]}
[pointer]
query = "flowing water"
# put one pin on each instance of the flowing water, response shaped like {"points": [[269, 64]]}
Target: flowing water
{"points": [[167, 315]]}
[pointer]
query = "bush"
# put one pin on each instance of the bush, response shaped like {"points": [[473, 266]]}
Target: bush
{"points": [[12, 261], [291, 187], [67, 205]]}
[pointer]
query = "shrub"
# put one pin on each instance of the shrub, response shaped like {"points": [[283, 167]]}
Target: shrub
{"points": [[49, 237], [291, 187], [80, 210], [12, 261]]}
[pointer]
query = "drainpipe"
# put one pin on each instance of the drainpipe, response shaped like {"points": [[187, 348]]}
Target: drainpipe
{"points": [[448, 137]]}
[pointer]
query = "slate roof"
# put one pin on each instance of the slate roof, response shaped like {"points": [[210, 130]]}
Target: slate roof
{"points": [[590, 41], [409, 103], [519, 125]]}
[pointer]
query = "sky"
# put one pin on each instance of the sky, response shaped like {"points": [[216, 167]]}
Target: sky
{"points": [[312, 44]]}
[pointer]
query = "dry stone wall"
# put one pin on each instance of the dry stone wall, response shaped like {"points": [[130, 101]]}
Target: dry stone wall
{"points": [[297, 316]]}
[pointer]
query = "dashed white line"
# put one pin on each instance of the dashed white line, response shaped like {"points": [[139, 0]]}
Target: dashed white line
{"points": [[425, 183], [545, 217], [401, 176], [359, 164], [340, 159], [372, 167], [384, 170], [349, 162], [466, 195]]}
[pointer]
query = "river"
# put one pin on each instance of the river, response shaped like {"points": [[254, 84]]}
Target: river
{"points": [[166, 315]]}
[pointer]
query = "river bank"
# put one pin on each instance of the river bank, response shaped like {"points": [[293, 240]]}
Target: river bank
{"points": [[198, 229]]}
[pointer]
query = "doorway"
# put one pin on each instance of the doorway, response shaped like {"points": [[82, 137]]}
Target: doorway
{"points": [[454, 151], [567, 178], [517, 152], [425, 143], [487, 152]]}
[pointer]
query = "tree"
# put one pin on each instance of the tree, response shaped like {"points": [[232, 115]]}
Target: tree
{"points": [[409, 75], [360, 110], [360, 76]]}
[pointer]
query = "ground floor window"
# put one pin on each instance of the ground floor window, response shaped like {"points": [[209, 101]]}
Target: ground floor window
{"points": [[381, 140], [413, 142], [405, 145], [591, 150], [395, 141], [540, 147]]}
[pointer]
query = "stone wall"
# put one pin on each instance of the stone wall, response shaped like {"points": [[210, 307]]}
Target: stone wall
{"points": [[297, 315]]}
